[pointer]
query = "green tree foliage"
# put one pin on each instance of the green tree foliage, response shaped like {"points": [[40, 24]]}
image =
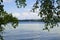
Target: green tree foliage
{"points": [[49, 10], [20, 3], [6, 18]]}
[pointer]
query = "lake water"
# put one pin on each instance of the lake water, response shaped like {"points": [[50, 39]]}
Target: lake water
{"points": [[31, 31]]}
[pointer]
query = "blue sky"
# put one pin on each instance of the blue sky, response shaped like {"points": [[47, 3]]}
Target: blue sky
{"points": [[20, 13]]}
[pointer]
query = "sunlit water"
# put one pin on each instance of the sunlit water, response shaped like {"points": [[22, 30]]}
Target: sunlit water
{"points": [[31, 31]]}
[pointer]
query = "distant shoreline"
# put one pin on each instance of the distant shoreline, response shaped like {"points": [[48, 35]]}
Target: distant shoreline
{"points": [[31, 20]]}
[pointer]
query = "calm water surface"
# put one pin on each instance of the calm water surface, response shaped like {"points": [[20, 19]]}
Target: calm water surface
{"points": [[31, 31]]}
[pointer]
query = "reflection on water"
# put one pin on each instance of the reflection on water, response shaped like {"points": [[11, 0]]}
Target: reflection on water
{"points": [[31, 31], [1, 37]]}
